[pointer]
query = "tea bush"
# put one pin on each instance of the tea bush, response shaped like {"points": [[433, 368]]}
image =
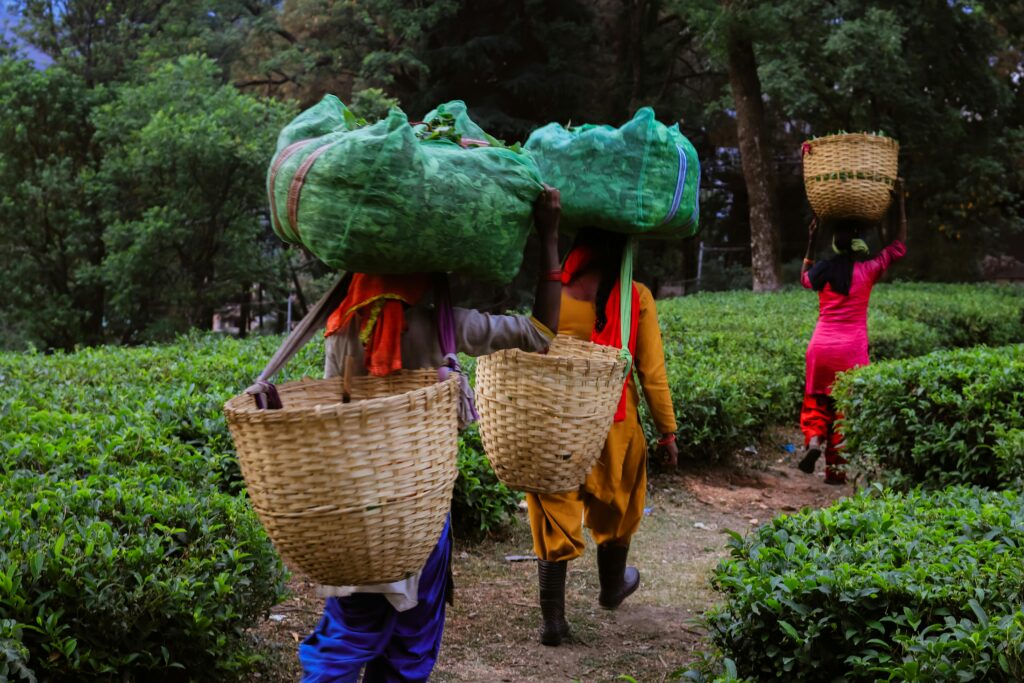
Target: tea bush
{"points": [[736, 359], [951, 417], [124, 548], [924, 586]]}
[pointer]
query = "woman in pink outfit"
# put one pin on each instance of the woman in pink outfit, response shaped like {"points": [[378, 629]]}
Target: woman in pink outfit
{"points": [[840, 339]]}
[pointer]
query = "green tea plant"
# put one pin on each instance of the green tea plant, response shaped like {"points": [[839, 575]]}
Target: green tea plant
{"points": [[951, 417], [125, 548], [480, 502], [923, 586], [736, 359]]}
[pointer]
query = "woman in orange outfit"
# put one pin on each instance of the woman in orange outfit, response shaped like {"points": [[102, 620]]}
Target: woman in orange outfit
{"points": [[611, 501]]}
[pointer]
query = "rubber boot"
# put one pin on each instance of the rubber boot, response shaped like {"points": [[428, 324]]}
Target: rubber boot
{"points": [[811, 455], [618, 581], [551, 579]]}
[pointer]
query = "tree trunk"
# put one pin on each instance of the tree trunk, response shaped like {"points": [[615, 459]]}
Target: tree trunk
{"points": [[757, 167]]}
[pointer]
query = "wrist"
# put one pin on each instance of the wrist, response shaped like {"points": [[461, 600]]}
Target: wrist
{"points": [[666, 439]]}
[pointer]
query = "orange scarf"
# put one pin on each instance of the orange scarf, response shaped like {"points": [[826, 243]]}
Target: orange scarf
{"points": [[578, 260], [378, 303]]}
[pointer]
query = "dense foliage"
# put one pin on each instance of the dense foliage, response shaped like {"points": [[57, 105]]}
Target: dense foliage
{"points": [[125, 547], [951, 417], [882, 586], [736, 360], [123, 167], [126, 542]]}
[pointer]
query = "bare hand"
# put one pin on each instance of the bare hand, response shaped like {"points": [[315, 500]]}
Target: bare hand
{"points": [[669, 454], [812, 229], [547, 210]]}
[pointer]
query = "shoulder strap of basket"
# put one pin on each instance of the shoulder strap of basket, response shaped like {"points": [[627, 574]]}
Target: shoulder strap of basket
{"points": [[262, 390], [626, 300], [446, 339]]}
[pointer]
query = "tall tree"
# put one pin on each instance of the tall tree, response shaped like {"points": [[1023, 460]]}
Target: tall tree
{"points": [[181, 183], [943, 78], [51, 233], [755, 151]]}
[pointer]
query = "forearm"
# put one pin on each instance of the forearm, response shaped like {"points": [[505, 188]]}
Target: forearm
{"points": [[902, 234], [548, 299], [808, 261]]}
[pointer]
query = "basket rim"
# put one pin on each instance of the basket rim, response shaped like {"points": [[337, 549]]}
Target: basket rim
{"points": [[608, 358], [854, 137], [234, 406]]}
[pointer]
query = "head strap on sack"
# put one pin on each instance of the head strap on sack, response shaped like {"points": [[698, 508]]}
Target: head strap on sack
{"points": [[626, 301]]}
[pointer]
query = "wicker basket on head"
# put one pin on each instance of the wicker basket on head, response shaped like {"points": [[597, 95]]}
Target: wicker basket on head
{"points": [[545, 417], [850, 175], [352, 493]]}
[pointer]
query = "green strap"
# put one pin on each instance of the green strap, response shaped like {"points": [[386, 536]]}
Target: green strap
{"points": [[626, 300]]}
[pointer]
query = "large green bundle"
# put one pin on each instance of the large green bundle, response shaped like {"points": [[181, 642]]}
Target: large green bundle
{"points": [[391, 197], [641, 179]]}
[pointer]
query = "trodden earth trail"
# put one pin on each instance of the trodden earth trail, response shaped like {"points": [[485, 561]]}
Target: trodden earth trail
{"points": [[491, 631]]}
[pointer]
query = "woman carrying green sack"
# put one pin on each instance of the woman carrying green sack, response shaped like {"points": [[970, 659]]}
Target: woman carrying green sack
{"points": [[840, 339], [611, 501]]}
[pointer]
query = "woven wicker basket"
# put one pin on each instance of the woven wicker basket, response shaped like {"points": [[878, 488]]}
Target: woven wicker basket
{"points": [[352, 493], [850, 175], [545, 417]]}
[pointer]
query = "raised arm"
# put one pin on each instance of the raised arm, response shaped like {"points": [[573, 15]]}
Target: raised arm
{"points": [[546, 214], [812, 237], [899, 197]]}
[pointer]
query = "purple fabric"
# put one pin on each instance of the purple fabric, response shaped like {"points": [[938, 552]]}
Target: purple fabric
{"points": [[446, 338], [266, 396], [364, 630]]}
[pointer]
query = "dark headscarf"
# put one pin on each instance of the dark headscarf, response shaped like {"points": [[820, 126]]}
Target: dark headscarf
{"points": [[838, 270]]}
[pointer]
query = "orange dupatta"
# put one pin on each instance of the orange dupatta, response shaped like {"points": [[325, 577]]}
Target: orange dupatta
{"points": [[576, 262], [378, 304]]}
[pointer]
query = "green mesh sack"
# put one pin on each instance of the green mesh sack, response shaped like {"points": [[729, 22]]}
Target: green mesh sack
{"points": [[391, 197], [640, 179]]}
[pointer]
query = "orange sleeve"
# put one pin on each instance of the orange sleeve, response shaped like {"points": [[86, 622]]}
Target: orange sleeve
{"points": [[650, 365]]}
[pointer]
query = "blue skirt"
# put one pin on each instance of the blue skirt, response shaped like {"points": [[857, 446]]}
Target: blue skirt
{"points": [[364, 630]]}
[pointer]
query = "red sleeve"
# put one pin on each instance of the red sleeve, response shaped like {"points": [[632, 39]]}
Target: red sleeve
{"points": [[886, 257], [805, 279]]}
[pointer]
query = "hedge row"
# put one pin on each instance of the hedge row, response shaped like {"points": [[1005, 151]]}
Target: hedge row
{"points": [[883, 586], [126, 542], [951, 417], [736, 359], [125, 547]]}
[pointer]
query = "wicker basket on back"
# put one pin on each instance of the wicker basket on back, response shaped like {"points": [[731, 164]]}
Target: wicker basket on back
{"points": [[545, 417], [850, 175], [352, 493]]}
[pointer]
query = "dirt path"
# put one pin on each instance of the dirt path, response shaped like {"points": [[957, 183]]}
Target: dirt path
{"points": [[491, 631]]}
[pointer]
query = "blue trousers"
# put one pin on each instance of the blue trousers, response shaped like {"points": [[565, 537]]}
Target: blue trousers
{"points": [[364, 630]]}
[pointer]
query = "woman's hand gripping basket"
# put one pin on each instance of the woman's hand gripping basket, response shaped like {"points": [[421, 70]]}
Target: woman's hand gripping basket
{"points": [[352, 493], [545, 417]]}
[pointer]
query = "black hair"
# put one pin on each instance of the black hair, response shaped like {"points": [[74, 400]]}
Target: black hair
{"points": [[838, 270], [607, 248]]}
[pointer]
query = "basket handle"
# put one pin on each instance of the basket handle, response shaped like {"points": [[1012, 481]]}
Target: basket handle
{"points": [[446, 340], [346, 380], [262, 391]]}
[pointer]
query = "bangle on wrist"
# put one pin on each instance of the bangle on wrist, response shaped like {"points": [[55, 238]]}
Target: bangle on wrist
{"points": [[808, 262], [552, 276], [667, 439]]}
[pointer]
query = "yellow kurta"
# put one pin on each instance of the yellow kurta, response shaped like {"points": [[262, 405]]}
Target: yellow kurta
{"points": [[611, 501]]}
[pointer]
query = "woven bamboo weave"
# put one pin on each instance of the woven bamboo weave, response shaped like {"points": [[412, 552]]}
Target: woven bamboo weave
{"points": [[545, 417], [850, 175], [352, 493]]}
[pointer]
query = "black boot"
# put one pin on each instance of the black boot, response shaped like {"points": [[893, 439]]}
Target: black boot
{"points": [[811, 455], [551, 578], [618, 581]]}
